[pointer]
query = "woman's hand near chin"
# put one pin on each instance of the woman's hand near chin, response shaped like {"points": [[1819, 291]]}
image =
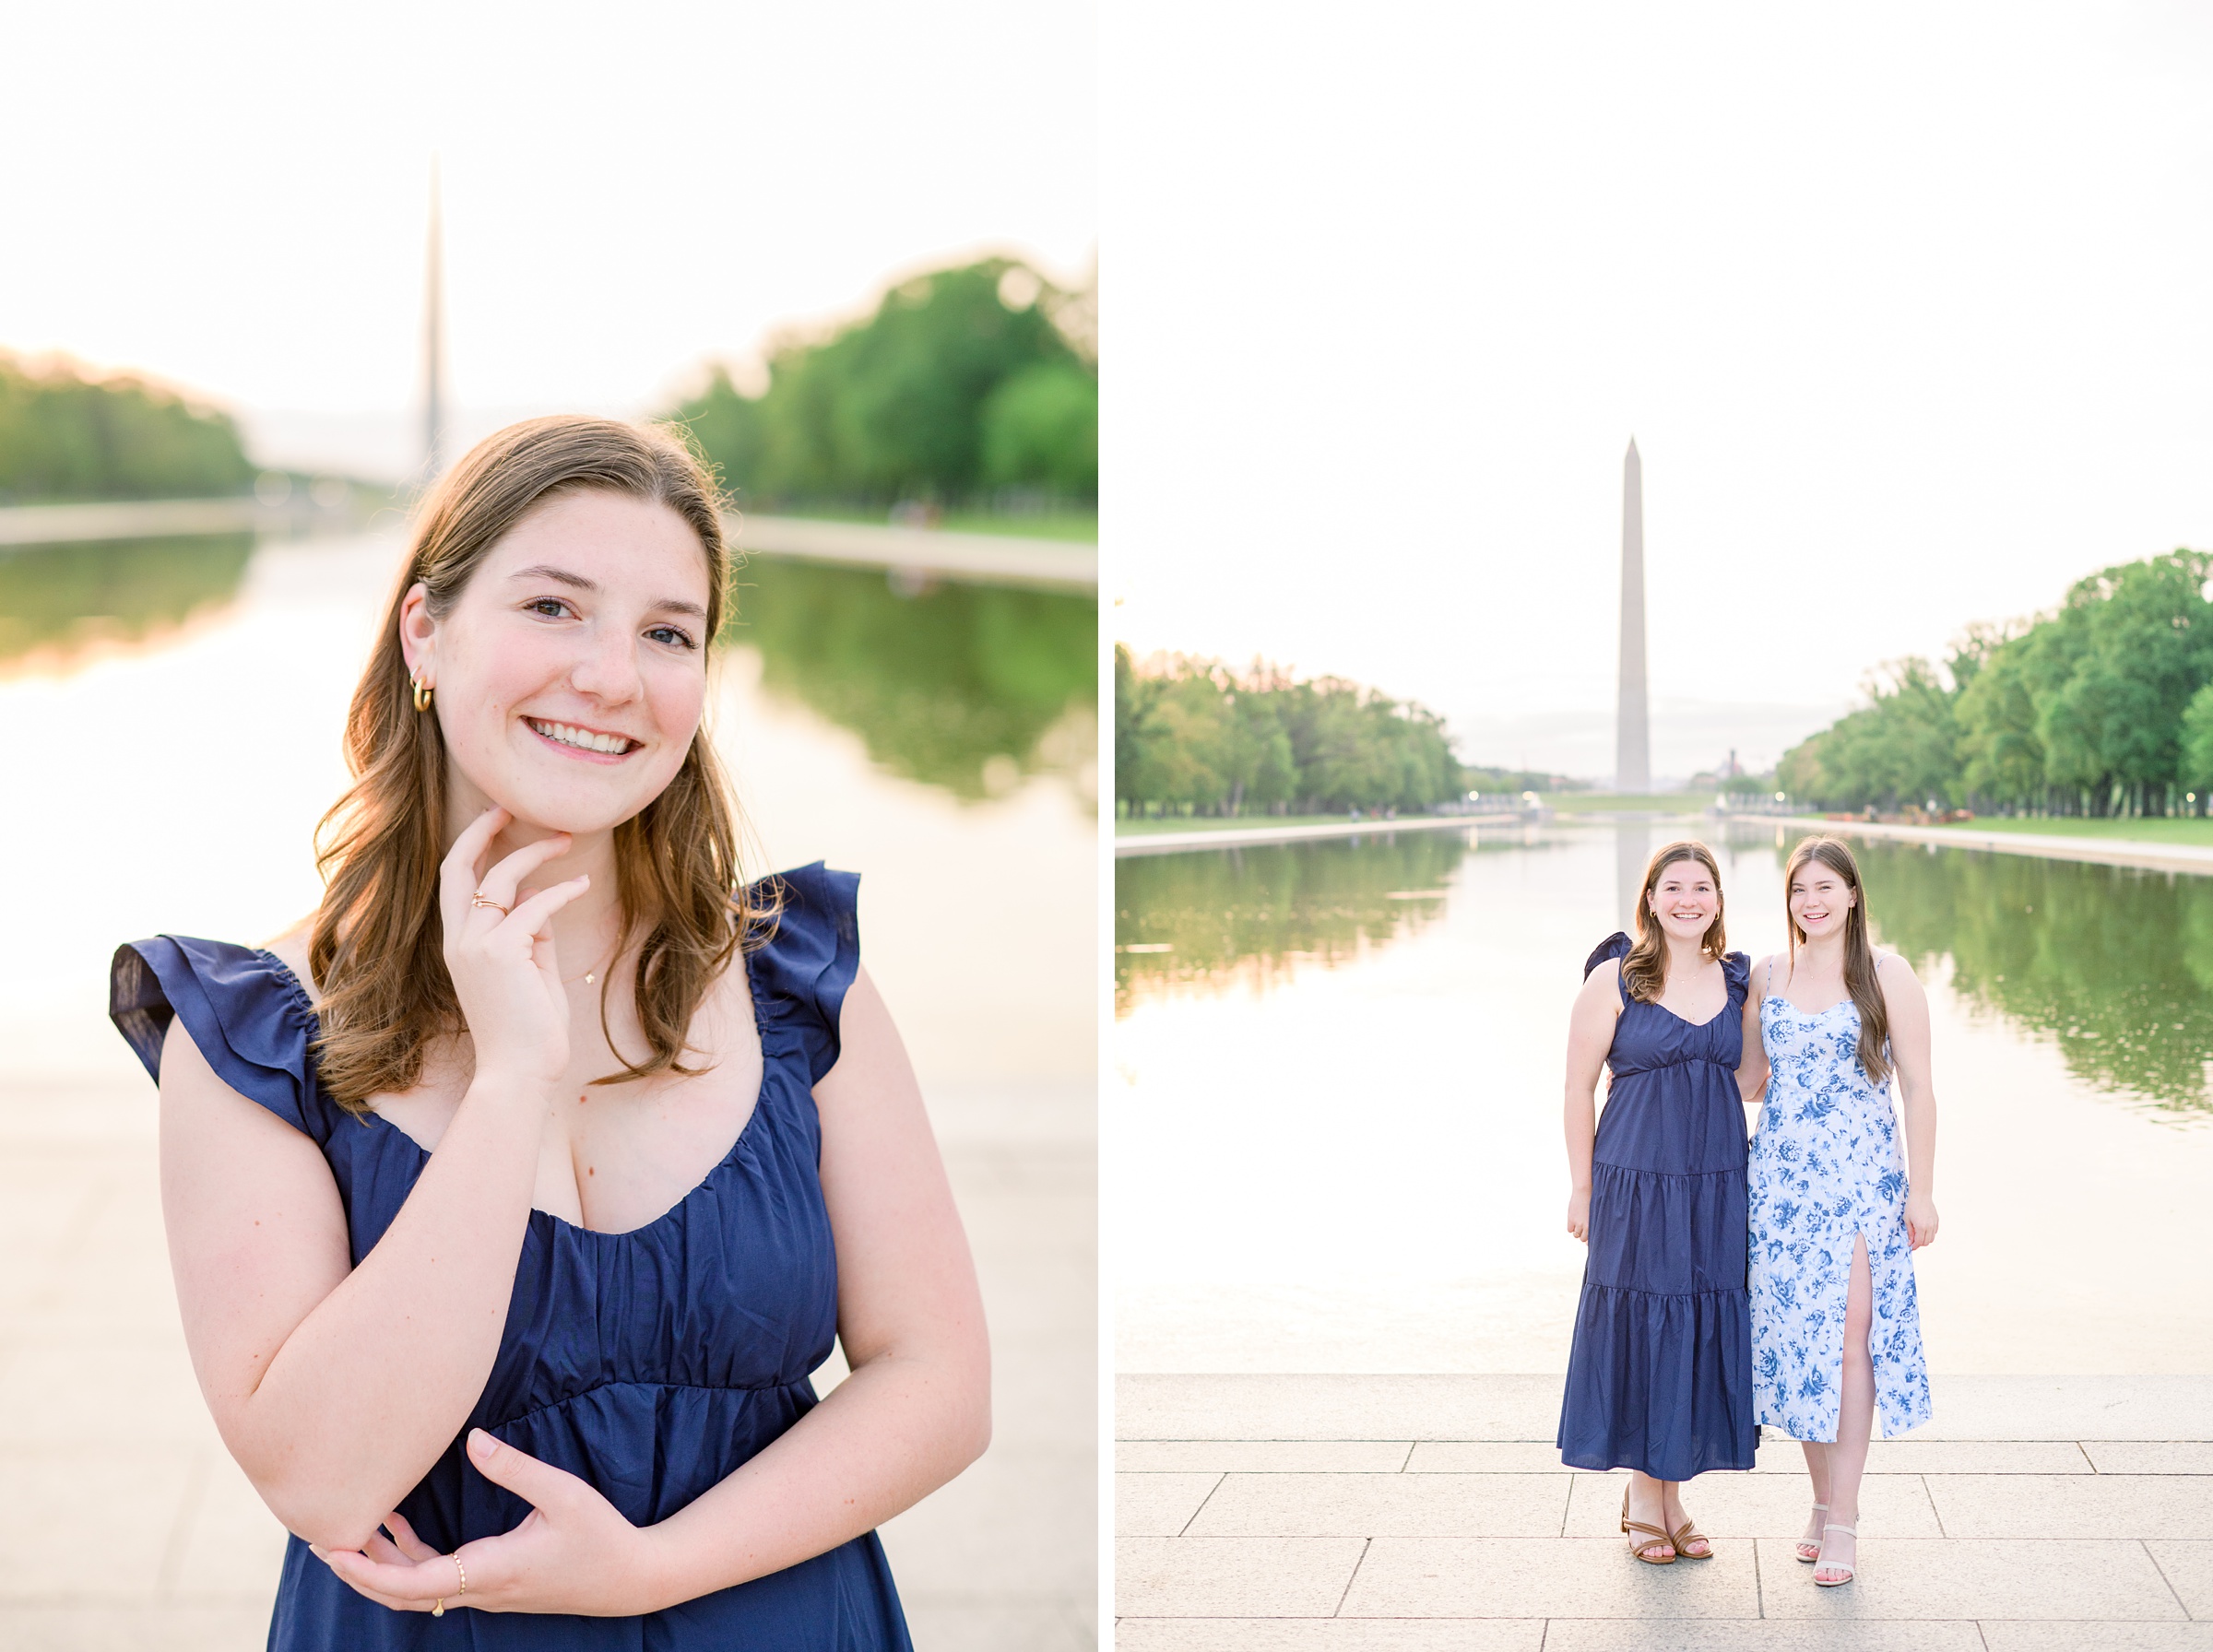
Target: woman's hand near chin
{"points": [[504, 971]]}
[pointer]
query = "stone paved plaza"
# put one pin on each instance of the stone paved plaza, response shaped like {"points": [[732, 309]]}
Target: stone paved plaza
{"points": [[125, 1526], [1431, 1514]]}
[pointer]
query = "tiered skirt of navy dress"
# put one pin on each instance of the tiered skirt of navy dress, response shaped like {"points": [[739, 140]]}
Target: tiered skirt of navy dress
{"points": [[1660, 1375], [651, 1363]]}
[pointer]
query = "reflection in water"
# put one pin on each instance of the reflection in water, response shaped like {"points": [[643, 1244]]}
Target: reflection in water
{"points": [[1209, 919], [1632, 850], [2114, 964], [966, 686], [963, 687], [1358, 1168], [63, 596]]}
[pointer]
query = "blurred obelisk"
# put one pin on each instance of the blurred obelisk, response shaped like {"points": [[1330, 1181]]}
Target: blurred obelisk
{"points": [[433, 347], [1632, 725]]}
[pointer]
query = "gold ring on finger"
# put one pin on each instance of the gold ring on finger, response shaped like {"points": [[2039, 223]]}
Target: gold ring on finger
{"points": [[481, 899]]}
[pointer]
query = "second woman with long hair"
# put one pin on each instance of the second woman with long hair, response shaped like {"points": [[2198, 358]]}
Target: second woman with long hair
{"points": [[1838, 1208]]}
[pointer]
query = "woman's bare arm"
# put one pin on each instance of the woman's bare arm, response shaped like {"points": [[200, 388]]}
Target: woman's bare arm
{"points": [[1752, 1068], [337, 1387], [1589, 1036], [1907, 1005]]}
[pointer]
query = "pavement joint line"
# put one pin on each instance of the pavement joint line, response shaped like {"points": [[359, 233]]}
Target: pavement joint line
{"points": [[1933, 1510], [1760, 1587], [1186, 1526], [1983, 1635], [2182, 1605], [1366, 1544], [1408, 1458], [2086, 1455]]}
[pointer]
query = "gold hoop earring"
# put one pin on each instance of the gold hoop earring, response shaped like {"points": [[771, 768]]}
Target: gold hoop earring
{"points": [[422, 694]]}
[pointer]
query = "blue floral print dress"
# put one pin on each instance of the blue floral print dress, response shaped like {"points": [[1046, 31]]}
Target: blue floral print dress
{"points": [[1826, 1163]]}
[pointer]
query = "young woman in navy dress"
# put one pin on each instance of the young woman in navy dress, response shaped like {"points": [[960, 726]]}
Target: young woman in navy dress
{"points": [[1659, 1376], [513, 1198]]}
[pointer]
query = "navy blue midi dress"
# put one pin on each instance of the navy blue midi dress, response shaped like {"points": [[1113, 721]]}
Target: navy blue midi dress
{"points": [[651, 1363], [1660, 1377]]}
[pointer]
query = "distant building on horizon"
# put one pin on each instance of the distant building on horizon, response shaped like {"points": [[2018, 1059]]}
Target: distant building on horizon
{"points": [[1632, 721]]}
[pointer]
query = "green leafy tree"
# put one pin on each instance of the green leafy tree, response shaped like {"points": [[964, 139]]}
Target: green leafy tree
{"points": [[65, 435], [1192, 734], [2197, 770], [958, 380], [2086, 710], [1041, 428]]}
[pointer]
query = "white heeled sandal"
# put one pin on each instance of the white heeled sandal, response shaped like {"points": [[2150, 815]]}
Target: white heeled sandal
{"points": [[1809, 1549], [1850, 1572]]}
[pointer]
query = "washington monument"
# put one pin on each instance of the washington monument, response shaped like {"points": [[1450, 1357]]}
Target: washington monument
{"points": [[1632, 724], [433, 347]]}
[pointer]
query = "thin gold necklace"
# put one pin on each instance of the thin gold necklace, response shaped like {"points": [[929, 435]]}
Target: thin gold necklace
{"points": [[592, 975]]}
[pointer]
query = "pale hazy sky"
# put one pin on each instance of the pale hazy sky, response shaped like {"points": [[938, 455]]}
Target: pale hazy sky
{"points": [[232, 197], [1907, 307]]}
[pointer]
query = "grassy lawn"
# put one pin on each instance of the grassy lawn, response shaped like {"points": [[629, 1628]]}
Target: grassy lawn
{"points": [[1076, 528], [2172, 829], [1129, 827]]}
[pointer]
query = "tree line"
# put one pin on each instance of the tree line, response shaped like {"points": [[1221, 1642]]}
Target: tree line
{"points": [[2103, 707], [2112, 964], [961, 385], [1192, 735], [67, 436]]}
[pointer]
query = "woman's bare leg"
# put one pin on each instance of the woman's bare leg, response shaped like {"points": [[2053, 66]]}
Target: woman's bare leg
{"points": [[1648, 1505], [1855, 1421], [1673, 1517], [1816, 1469]]}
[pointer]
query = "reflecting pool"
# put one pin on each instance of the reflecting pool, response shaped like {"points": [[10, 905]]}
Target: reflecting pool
{"points": [[175, 709], [1334, 1122], [58, 600]]}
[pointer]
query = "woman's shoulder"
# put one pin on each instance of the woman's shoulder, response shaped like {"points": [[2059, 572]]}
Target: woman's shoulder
{"points": [[1606, 957], [803, 951], [1736, 969], [291, 949], [242, 1006], [1892, 970]]}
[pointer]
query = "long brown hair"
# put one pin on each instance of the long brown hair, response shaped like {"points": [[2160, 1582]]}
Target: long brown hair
{"points": [[1644, 970], [377, 949], [1859, 953]]}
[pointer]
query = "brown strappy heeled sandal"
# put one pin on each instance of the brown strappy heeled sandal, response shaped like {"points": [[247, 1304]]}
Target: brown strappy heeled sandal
{"points": [[1639, 1545], [1690, 1534]]}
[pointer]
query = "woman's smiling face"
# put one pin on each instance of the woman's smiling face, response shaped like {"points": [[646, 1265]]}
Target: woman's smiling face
{"points": [[570, 673], [1820, 900], [1685, 899]]}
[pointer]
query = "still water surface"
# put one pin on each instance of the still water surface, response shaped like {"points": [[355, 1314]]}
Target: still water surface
{"points": [[175, 709], [1334, 1114]]}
